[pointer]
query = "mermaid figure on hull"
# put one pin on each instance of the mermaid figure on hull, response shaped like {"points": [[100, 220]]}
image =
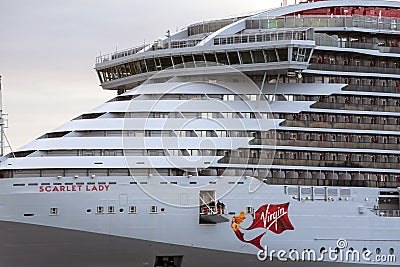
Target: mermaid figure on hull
{"points": [[270, 217]]}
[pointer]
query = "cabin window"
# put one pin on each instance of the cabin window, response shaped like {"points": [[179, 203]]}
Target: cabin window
{"points": [[53, 211], [132, 210], [111, 209], [153, 209], [250, 210], [100, 210]]}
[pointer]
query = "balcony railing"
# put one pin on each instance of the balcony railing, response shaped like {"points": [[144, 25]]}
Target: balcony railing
{"points": [[372, 88], [119, 54], [351, 68], [156, 46], [366, 22], [265, 37]]}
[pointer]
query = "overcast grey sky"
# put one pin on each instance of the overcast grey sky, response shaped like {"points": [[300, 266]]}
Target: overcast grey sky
{"points": [[48, 49]]}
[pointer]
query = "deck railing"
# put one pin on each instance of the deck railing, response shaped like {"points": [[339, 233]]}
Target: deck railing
{"points": [[323, 21], [119, 54], [281, 35]]}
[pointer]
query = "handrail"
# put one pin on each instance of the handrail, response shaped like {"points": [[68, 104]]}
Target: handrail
{"points": [[279, 35], [119, 54], [315, 21]]}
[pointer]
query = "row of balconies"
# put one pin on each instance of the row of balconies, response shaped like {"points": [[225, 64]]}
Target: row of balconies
{"points": [[353, 60], [335, 144], [333, 137], [360, 100], [369, 84], [340, 125], [369, 107], [324, 182], [389, 87], [355, 68], [315, 21], [335, 163]]}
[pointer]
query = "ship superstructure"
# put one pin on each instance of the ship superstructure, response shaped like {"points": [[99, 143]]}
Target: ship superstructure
{"points": [[275, 130]]}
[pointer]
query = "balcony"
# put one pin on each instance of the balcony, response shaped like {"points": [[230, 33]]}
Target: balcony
{"points": [[328, 144], [323, 21], [340, 125], [377, 108], [372, 88], [354, 69]]}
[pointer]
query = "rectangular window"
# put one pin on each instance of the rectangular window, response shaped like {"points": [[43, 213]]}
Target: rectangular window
{"points": [[53, 211], [258, 56], [100, 210], [283, 54], [153, 209], [132, 210], [250, 210], [246, 57], [111, 209], [233, 58]]}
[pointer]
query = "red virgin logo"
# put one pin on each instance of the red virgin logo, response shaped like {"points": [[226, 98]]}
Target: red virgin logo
{"points": [[274, 218]]}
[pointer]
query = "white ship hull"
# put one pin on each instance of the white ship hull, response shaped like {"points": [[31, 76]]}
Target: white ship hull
{"points": [[77, 238]]}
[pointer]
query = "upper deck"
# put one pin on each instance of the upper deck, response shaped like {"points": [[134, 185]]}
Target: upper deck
{"points": [[279, 41]]}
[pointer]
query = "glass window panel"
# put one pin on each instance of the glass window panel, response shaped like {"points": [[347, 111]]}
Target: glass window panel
{"points": [[222, 58], [258, 56], [199, 59], [178, 63], [188, 59], [283, 54], [233, 58], [210, 58], [246, 57], [166, 62], [151, 66]]}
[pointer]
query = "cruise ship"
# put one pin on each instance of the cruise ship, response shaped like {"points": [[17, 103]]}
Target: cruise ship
{"points": [[267, 139]]}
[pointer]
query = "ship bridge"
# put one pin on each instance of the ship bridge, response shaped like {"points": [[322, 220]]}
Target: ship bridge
{"points": [[253, 52]]}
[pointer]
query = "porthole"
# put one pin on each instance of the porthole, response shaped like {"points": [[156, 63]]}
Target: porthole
{"points": [[88, 211], [337, 250], [391, 251], [121, 210], [378, 251], [162, 209]]}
